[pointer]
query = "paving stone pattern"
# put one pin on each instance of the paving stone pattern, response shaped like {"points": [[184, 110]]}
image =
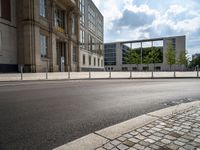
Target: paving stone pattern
{"points": [[179, 131]]}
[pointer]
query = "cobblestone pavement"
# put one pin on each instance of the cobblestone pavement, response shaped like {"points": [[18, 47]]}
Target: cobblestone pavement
{"points": [[179, 131]]}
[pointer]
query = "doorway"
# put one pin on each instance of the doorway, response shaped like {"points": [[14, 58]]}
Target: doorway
{"points": [[61, 55]]}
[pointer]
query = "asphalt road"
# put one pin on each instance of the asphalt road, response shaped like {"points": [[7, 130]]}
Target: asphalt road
{"points": [[46, 114]]}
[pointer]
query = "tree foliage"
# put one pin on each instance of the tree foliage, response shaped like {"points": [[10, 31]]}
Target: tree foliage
{"points": [[132, 57], [170, 55], [183, 59], [153, 56], [195, 62]]}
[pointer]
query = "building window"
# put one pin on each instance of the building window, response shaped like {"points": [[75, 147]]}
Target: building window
{"points": [[74, 54], [83, 59], [91, 18], [5, 9], [82, 39], [101, 63], [73, 24], [82, 10], [43, 46], [98, 62], [94, 61], [43, 8], [60, 19], [90, 59]]}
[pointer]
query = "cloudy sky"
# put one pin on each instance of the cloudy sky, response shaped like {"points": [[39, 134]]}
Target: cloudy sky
{"points": [[140, 19]]}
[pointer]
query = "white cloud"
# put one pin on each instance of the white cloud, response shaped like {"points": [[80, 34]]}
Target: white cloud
{"points": [[138, 19]]}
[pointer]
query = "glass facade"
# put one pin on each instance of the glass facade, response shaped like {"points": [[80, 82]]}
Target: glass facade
{"points": [[82, 10], [110, 54], [91, 18]]}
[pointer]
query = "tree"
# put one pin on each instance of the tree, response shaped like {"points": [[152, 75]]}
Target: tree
{"points": [[195, 62], [132, 57], [183, 59], [170, 55], [153, 56]]}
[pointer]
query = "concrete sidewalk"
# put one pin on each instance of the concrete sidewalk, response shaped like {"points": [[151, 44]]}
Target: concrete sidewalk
{"points": [[173, 128]]}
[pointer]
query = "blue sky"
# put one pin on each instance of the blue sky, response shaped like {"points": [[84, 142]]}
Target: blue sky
{"points": [[140, 19]]}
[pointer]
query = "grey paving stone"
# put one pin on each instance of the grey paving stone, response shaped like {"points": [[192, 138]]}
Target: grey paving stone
{"points": [[197, 140], [128, 143], [158, 134], [134, 140], [108, 146], [140, 137], [140, 130], [195, 144], [179, 143], [134, 133], [154, 146], [166, 141], [122, 139], [128, 135], [150, 140], [169, 137], [122, 147], [115, 149], [138, 146], [132, 148], [189, 147], [160, 144], [156, 138], [187, 137], [144, 143], [115, 142], [183, 140], [145, 134], [173, 146]]}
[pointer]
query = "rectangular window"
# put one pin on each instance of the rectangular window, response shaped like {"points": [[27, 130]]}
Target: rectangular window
{"points": [[73, 24], [98, 62], [90, 59], [94, 61], [74, 54], [82, 39], [6, 9], [83, 59], [43, 8], [82, 10], [59, 19], [43, 46]]}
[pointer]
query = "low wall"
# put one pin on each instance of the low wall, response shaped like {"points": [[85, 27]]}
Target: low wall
{"points": [[95, 75]]}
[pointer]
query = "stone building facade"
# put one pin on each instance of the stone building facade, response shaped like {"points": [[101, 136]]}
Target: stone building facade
{"points": [[43, 34]]}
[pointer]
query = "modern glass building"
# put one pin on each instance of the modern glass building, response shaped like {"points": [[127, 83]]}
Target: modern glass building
{"points": [[116, 52]]}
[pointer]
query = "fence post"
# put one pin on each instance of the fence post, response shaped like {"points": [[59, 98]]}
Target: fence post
{"points": [[110, 75], [47, 70], [152, 75], [21, 70], [69, 76], [174, 74], [89, 74], [131, 75], [197, 71]]}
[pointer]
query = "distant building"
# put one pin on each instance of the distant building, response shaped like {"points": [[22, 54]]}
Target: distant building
{"points": [[59, 34], [91, 37], [114, 53]]}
